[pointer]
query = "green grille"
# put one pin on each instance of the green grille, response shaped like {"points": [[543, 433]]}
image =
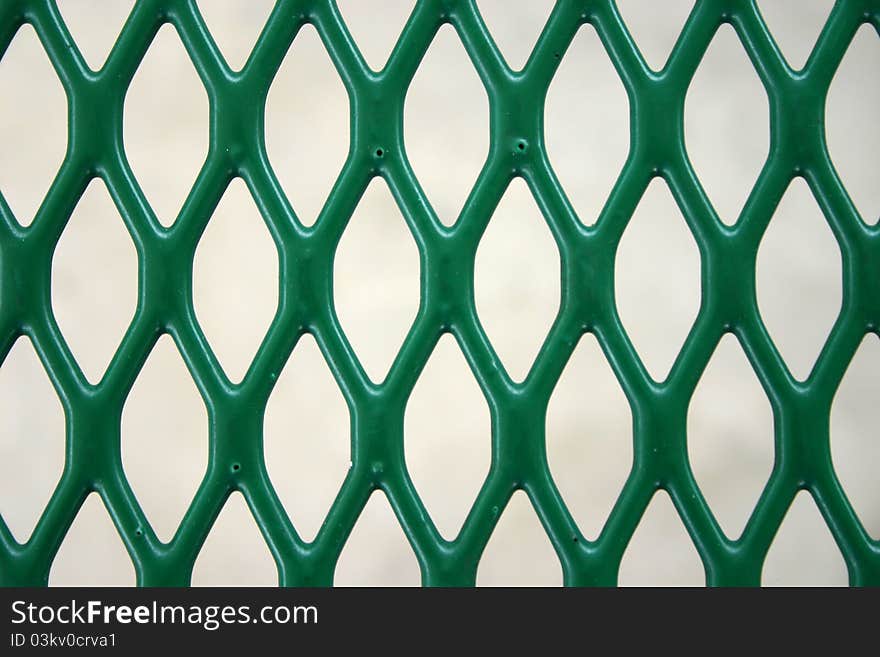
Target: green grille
{"points": [[237, 148]]}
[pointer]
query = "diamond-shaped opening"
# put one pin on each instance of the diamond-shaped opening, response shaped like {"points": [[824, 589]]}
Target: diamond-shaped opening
{"points": [[795, 25], [657, 279], [516, 279], [235, 552], [94, 280], [94, 25], [586, 124], [306, 438], [855, 417], [235, 280], [376, 280], [92, 553], [851, 125], [804, 553], [515, 26], [730, 436], [377, 552], [519, 552], [307, 141], [726, 124], [375, 27], [235, 26], [170, 446], [447, 432], [446, 125], [589, 436], [660, 552], [33, 128], [799, 279], [655, 26], [32, 444], [165, 124]]}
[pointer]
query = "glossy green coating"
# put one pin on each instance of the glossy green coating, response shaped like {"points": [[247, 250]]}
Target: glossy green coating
{"points": [[237, 102]]}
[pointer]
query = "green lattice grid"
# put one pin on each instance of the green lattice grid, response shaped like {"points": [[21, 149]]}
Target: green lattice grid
{"points": [[237, 101]]}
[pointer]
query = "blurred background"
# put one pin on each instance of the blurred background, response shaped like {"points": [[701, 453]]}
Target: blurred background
{"points": [[589, 435]]}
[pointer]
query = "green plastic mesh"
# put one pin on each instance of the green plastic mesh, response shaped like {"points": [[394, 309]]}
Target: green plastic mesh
{"points": [[165, 305]]}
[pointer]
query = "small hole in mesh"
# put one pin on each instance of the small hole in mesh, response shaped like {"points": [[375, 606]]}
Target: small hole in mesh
{"points": [[730, 436], [307, 141], [92, 553], [375, 26], [853, 132], [306, 438], [586, 124], [94, 280], [379, 152], [447, 434], [33, 129], [516, 279], [660, 552], [32, 445], [446, 104], [799, 278], [236, 467], [657, 279], [171, 445], [519, 553], [235, 280], [515, 26], [94, 25], [855, 417], [655, 26], [803, 552], [589, 436], [376, 280], [235, 26], [726, 124], [165, 125], [235, 552], [797, 37], [377, 552]]}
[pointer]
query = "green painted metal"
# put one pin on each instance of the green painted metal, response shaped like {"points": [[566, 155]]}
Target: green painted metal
{"points": [[237, 101]]}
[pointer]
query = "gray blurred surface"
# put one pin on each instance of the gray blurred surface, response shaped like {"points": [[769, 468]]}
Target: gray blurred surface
{"points": [[589, 428]]}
